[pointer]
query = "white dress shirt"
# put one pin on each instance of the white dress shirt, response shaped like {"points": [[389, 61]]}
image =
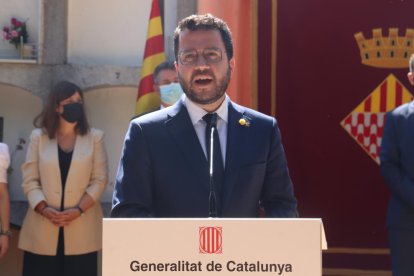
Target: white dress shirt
{"points": [[196, 116], [4, 162]]}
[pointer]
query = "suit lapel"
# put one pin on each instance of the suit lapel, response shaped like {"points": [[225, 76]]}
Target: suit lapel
{"points": [[180, 126], [182, 131], [236, 141], [74, 169], [52, 153]]}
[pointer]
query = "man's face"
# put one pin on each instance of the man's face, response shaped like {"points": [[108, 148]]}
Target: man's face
{"points": [[204, 80], [165, 77]]}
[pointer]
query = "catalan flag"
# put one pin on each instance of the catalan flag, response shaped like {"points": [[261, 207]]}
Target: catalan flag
{"points": [[147, 99]]}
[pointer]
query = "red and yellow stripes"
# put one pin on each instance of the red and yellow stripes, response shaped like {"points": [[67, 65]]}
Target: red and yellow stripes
{"points": [[387, 96], [366, 122], [148, 99]]}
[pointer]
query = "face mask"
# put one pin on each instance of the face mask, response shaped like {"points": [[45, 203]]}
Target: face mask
{"points": [[72, 112], [170, 93]]}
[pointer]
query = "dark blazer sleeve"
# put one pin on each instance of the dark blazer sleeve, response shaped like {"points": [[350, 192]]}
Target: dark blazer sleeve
{"points": [[392, 168], [278, 198], [133, 193]]}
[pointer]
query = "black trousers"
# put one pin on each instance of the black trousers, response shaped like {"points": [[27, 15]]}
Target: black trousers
{"points": [[60, 264], [402, 252]]}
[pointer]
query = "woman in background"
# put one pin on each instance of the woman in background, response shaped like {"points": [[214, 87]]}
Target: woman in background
{"points": [[64, 176], [5, 232]]}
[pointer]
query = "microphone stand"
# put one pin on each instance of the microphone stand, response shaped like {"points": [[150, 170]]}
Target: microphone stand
{"points": [[212, 210]]}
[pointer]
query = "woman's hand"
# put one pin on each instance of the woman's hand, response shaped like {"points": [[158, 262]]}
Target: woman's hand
{"points": [[55, 216], [59, 218], [70, 215]]}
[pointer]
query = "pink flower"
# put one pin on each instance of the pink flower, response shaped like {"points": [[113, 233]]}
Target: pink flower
{"points": [[16, 22], [14, 33]]}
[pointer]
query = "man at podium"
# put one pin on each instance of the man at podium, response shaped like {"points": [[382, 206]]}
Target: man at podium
{"points": [[205, 156]]}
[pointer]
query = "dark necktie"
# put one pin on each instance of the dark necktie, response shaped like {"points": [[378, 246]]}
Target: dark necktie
{"points": [[218, 167]]}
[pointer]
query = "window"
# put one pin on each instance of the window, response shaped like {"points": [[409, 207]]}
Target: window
{"points": [[28, 12]]}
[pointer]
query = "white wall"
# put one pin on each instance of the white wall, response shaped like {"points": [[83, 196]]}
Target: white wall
{"points": [[17, 124], [107, 32], [110, 109], [23, 10]]}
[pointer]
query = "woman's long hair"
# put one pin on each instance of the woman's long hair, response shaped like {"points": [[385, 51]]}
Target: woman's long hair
{"points": [[48, 119]]}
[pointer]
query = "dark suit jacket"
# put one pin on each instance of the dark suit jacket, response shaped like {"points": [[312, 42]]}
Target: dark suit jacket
{"points": [[163, 171], [397, 165]]}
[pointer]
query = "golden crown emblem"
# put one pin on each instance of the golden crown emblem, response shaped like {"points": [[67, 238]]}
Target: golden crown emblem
{"points": [[386, 52]]}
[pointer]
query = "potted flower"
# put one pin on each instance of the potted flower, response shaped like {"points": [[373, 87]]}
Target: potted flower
{"points": [[16, 33]]}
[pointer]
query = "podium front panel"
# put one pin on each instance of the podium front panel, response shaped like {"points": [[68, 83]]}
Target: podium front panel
{"points": [[175, 247]]}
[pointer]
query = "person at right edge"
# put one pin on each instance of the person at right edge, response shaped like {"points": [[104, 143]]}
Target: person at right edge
{"points": [[397, 168], [164, 168]]}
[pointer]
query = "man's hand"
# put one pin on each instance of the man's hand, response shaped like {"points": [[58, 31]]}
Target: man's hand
{"points": [[4, 245]]}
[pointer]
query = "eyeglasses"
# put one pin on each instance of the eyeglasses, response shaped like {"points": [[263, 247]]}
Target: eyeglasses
{"points": [[210, 55]]}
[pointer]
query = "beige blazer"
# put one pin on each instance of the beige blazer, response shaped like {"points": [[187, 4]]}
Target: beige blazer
{"points": [[88, 173]]}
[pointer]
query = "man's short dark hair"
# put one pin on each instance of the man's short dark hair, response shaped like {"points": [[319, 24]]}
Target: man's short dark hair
{"points": [[204, 22], [166, 65]]}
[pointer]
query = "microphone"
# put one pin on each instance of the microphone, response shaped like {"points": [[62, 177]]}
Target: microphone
{"points": [[212, 213]]}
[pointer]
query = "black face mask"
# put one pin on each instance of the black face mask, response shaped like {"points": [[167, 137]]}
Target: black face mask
{"points": [[72, 112]]}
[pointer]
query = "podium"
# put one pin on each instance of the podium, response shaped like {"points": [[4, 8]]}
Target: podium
{"points": [[175, 247]]}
